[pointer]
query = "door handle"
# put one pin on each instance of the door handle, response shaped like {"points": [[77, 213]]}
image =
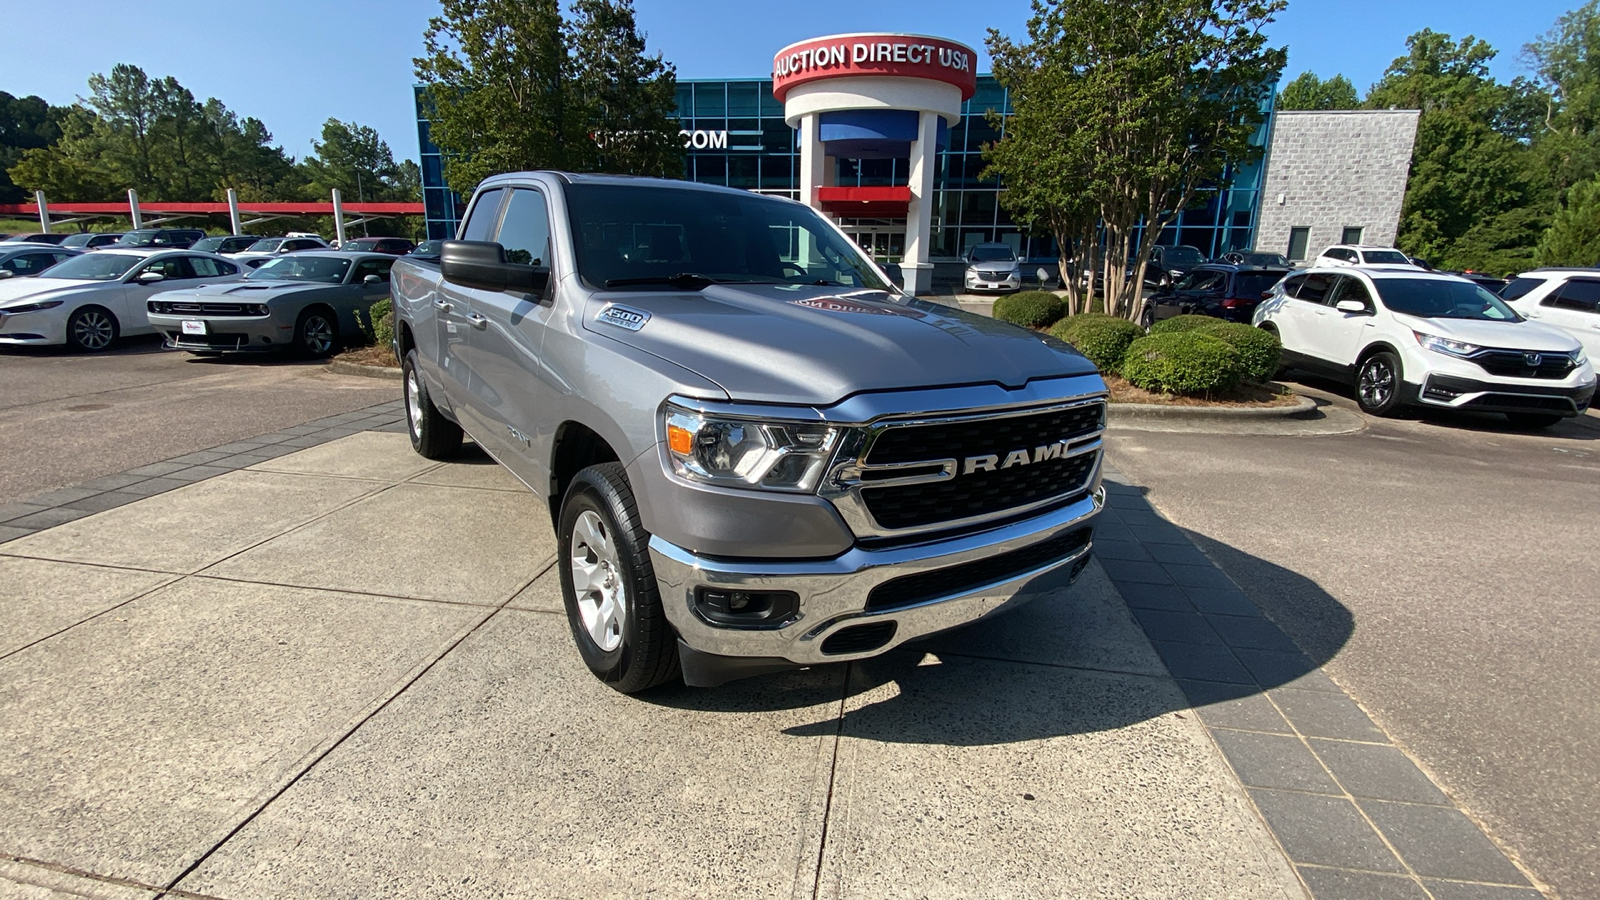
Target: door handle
{"points": [[477, 321], [442, 305]]}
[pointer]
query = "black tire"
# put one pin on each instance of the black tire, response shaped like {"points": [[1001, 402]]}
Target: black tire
{"points": [[432, 435], [92, 329], [1533, 421], [1378, 381], [643, 650], [316, 333], [1147, 319]]}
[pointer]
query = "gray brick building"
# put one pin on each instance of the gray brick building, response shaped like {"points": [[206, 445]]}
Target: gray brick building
{"points": [[1334, 177]]}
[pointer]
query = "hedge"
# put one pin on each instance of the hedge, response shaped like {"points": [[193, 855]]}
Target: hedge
{"points": [[1259, 351], [1102, 338], [1181, 323], [382, 315], [1182, 363], [1031, 309]]}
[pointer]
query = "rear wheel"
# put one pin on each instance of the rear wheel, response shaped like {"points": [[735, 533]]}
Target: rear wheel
{"points": [[1378, 384], [1533, 421], [91, 329], [1147, 318], [613, 605], [432, 435]]}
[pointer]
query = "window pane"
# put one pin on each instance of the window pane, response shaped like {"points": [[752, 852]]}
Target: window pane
{"points": [[525, 233], [1315, 288], [1583, 296], [1298, 239], [480, 222], [1352, 235]]}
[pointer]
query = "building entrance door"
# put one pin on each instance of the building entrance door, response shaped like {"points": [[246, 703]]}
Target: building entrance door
{"points": [[885, 244]]}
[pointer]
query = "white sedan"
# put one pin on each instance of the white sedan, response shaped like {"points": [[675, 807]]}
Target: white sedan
{"points": [[87, 302]]}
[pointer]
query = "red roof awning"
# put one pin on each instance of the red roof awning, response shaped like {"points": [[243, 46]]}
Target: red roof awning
{"points": [[120, 208], [865, 202]]}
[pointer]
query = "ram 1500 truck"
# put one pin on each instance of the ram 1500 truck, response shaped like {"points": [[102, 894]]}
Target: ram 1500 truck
{"points": [[757, 453]]}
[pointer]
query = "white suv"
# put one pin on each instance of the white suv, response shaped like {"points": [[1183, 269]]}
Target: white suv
{"points": [[1405, 336], [1358, 255], [1566, 298]]}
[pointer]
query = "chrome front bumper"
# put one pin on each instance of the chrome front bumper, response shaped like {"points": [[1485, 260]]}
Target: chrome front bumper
{"points": [[833, 593]]}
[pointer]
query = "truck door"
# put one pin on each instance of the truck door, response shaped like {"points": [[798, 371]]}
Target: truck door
{"points": [[511, 385], [452, 306]]}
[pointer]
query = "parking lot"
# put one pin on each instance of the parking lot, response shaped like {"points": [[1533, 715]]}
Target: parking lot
{"points": [[289, 673]]}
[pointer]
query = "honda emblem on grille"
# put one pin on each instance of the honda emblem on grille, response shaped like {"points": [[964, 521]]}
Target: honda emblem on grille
{"points": [[992, 462], [1533, 359]]}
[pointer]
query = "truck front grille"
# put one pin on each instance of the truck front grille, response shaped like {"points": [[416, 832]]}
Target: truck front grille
{"points": [[961, 438], [978, 494]]}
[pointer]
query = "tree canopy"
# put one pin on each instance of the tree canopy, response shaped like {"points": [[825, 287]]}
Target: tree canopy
{"points": [[1307, 91], [1135, 106], [513, 85]]}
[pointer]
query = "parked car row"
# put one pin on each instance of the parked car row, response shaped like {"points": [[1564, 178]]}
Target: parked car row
{"points": [[195, 239], [200, 302]]}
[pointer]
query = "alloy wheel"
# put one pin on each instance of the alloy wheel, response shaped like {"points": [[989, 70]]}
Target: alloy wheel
{"points": [[413, 403], [318, 335], [1377, 382], [93, 330], [597, 581]]}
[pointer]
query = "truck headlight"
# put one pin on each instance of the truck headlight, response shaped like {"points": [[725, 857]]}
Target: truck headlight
{"points": [[747, 452], [1445, 345]]}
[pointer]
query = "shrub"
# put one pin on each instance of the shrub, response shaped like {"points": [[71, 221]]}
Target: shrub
{"points": [[1031, 309], [382, 316], [1259, 351], [1181, 323], [1102, 338], [1181, 363]]}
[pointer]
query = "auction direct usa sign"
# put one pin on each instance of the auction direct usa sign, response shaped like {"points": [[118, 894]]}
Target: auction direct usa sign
{"points": [[900, 55]]}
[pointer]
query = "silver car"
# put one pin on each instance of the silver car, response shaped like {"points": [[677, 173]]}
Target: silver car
{"points": [[307, 302]]}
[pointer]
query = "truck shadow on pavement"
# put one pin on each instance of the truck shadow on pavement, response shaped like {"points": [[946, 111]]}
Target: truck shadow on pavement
{"points": [[1091, 658]]}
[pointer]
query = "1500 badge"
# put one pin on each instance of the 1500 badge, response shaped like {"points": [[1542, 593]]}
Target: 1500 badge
{"points": [[623, 317]]}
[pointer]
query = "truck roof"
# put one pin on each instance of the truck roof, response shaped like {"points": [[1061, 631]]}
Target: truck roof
{"points": [[627, 180]]}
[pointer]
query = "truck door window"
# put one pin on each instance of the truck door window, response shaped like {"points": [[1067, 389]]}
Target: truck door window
{"points": [[525, 230], [485, 213]]}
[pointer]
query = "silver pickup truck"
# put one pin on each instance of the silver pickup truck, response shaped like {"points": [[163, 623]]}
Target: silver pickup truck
{"points": [[757, 453]]}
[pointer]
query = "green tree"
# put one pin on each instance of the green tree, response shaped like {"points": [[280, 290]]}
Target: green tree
{"points": [[1472, 169], [1567, 62], [627, 99], [359, 163], [1156, 99], [26, 123], [1573, 238], [1307, 91], [513, 85]]}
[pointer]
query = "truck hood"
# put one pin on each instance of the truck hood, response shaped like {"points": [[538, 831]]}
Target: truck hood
{"points": [[248, 291], [35, 290], [1505, 335], [815, 346]]}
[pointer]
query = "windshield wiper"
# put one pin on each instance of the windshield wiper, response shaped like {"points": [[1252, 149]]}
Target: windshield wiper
{"points": [[682, 280]]}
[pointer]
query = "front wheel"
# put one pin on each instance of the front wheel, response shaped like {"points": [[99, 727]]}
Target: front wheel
{"points": [[1378, 384], [432, 435], [1147, 319], [609, 585], [1533, 421], [91, 330], [315, 333]]}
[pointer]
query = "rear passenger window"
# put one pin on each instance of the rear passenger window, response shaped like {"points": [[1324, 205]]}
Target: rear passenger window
{"points": [[1582, 296], [481, 220], [205, 267], [1315, 289]]}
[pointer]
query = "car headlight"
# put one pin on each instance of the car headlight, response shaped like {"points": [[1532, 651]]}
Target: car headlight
{"points": [[1445, 345], [31, 307], [742, 452], [1579, 357]]}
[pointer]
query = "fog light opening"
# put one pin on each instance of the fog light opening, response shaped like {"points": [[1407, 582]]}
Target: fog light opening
{"points": [[747, 609]]}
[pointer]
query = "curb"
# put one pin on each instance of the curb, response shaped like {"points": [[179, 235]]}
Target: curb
{"points": [[1136, 411], [340, 367]]}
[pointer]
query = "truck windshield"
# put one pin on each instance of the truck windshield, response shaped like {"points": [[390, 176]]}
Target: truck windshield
{"points": [[646, 236]]}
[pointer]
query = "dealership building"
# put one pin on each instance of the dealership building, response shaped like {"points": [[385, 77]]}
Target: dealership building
{"points": [[884, 133]]}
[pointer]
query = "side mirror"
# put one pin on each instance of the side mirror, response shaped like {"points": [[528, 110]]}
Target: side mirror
{"points": [[372, 279], [482, 265], [150, 277], [1354, 307]]}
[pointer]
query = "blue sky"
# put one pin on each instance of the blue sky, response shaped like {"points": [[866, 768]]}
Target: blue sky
{"points": [[295, 63]]}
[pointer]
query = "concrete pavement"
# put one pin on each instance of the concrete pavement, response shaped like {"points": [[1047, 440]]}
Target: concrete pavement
{"points": [[337, 668]]}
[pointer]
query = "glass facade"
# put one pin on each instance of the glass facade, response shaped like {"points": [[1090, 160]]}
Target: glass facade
{"points": [[735, 135]]}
